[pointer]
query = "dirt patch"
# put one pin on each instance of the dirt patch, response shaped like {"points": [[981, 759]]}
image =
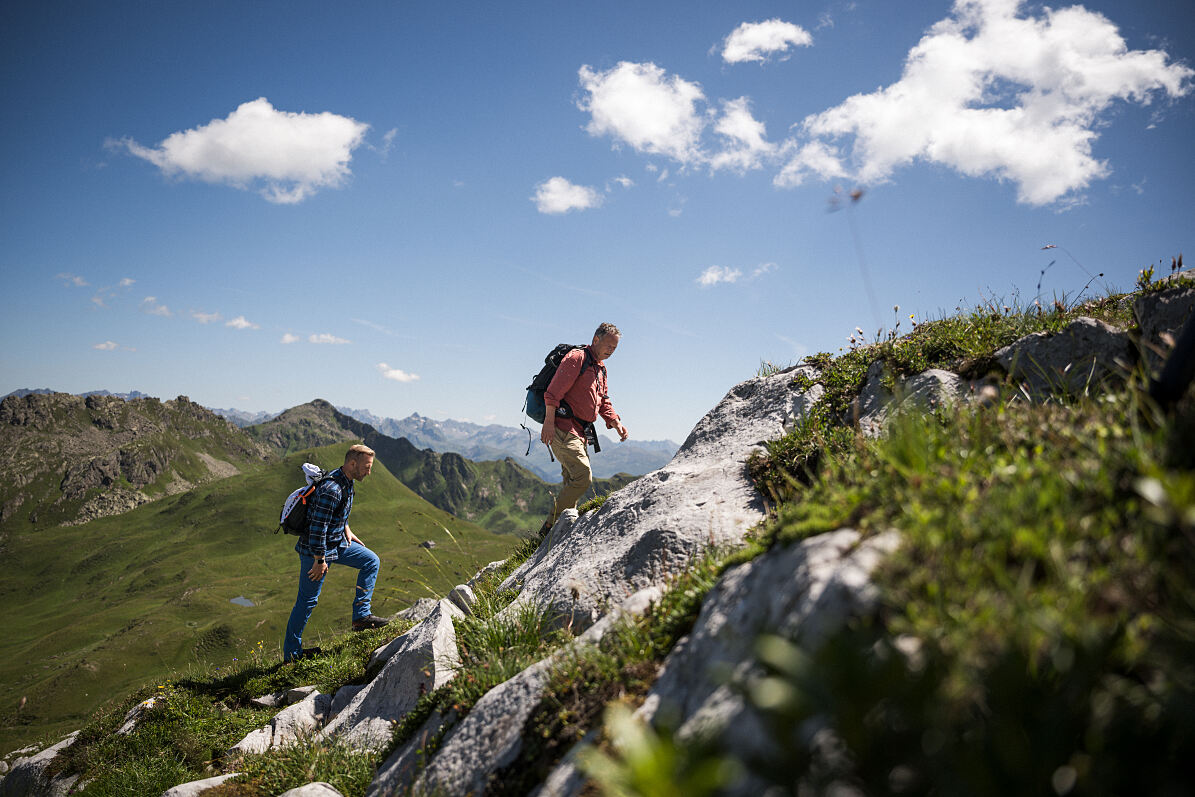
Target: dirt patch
{"points": [[218, 467]]}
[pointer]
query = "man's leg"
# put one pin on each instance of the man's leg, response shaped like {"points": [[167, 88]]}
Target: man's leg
{"points": [[574, 468], [292, 642], [367, 565]]}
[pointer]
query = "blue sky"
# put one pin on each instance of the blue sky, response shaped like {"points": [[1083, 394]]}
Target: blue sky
{"points": [[403, 206]]}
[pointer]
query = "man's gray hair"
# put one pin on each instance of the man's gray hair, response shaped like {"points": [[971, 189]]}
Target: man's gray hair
{"points": [[606, 328]]}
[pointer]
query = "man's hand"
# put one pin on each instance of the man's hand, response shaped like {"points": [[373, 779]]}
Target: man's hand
{"points": [[317, 570], [548, 432], [623, 434], [350, 536]]}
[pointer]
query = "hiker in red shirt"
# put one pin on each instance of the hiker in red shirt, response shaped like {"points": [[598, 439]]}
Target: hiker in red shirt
{"points": [[575, 398]]}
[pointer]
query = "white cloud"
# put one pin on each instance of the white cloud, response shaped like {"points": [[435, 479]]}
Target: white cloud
{"points": [[623, 180], [286, 156], [206, 318], [757, 41], [991, 93], [72, 280], [376, 327], [151, 305], [763, 268], [715, 274], [326, 338], [289, 338], [241, 323], [746, 138], [816, 158], [397, 374], [108, 345], [126, 282], [558, 195], [642, 106]]}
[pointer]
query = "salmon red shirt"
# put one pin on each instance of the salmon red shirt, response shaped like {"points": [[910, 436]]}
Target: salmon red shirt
{"points": [[585, 393]]}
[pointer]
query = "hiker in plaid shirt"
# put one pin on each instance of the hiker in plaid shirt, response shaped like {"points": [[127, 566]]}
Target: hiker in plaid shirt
{"points": [[328, 539]]}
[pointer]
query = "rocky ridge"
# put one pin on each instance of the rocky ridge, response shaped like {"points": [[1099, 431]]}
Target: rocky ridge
{"points": [[70, 459], [591, 570]]}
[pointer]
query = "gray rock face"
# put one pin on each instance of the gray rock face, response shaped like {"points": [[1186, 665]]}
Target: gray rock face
{"points": [[463, 598], [197, 787], [417, 611], [927, 390], [317, 789], [424, 659], [343, 696], [1085, 354], [1160, 315], [396, 775], [490, 737], [133, 718], [292, 723], [805, 591], [654, 525], [28, 774], [485, 572]]}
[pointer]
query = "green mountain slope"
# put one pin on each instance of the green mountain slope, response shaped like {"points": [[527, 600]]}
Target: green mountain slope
{"points": [[93, 611]]}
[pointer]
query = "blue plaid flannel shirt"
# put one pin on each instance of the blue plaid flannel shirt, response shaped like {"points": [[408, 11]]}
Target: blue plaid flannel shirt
{"points": [[327, 516]]}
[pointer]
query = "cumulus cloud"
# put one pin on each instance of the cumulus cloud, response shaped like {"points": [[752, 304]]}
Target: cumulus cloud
{"points": [[397, 374], [72, 280], [715, 274], [623, 180], [660, 114], [126, 282], [206, 318], [240, 322], [326, 338], [641, 105], [151, 305], [763, 268], [285, 156], [758, 41], [746, 145], [108, 345], [289, 338], [558, 195], [990, 92]]}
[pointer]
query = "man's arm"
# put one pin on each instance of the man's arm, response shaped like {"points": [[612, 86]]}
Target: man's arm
{"points": [[607, 413], [323, 506]]}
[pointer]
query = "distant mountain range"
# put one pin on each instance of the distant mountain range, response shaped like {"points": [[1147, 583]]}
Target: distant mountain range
{"points": [[495, 442], [491, 442]]}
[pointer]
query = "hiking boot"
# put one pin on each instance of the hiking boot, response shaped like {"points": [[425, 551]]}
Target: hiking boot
{"points": [[305, 653], [372, 621]]}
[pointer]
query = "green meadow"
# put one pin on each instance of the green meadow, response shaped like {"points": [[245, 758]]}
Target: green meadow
{"points": [[94, 612]]}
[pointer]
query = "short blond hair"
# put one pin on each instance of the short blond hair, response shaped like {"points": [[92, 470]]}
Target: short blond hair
{"points": [[358, 451], [606, 328]]}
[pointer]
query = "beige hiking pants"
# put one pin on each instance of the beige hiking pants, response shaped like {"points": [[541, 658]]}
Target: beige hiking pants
{"points": [[574, 467]]}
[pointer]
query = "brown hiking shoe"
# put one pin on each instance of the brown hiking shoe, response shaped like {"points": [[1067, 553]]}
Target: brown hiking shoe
{"points": [[372, 621]]}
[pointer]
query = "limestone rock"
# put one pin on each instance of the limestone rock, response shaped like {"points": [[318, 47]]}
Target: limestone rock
{"points": [[654, 525], [928, 390], [490, 736], [290, 724], [396, 775], [805, 591], [197, 787], [417, 611], [317, 789], [300, 693], [1160, 317], [424, 660], [484, 572], [28, 774], [344, 695], [1084, 354], [133, 717], [463, 598]]}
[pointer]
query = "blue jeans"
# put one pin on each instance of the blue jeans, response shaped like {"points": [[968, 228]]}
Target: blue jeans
{"points": [[357, 556]]}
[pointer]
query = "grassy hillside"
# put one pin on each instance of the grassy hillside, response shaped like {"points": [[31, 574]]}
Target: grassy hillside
{"points": [[93, 611]]}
